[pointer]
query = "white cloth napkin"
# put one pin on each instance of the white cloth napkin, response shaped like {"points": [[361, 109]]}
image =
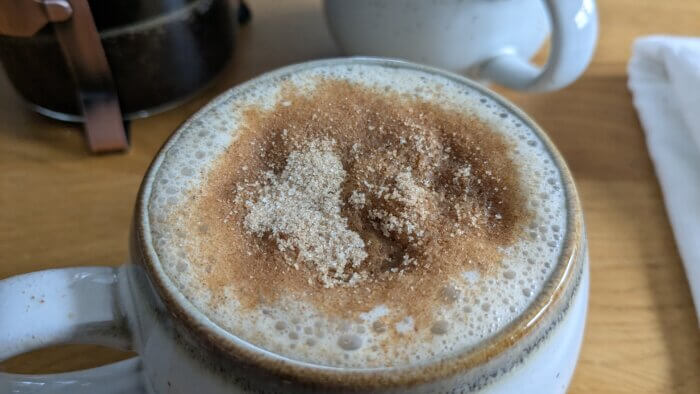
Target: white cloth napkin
{"points": [[664, 77]]}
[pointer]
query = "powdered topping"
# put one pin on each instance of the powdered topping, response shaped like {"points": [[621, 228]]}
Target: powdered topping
{"points": [[300, 210], [403, 198], [357, 199], [345, 188], [411, 207]]}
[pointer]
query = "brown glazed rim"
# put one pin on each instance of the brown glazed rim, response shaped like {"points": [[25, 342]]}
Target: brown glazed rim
{"points": [[213, 336]]}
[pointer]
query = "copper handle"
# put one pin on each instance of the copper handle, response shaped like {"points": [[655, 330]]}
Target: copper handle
{"points": [[24, 18], [86, 58]]}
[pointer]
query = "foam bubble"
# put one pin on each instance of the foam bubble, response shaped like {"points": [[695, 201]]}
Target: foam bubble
{"points": [[349, 342], [475, 307], [440, 327]]}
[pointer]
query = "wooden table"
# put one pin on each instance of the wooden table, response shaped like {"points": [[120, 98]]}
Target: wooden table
{"points": [[60, 206]]}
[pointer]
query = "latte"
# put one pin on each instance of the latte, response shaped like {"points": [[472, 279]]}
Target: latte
{"points": [[358, 216]]}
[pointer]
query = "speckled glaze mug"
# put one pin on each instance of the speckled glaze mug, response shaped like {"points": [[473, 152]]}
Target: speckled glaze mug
{"points": [[137, 306], [491, 40]]}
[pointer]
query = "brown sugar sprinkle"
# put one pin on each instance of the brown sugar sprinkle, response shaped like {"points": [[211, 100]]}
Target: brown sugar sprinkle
{"points": [[349, 197], [300, 209]]}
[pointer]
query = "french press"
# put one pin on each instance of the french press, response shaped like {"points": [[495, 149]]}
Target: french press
{"points": [[102, 62]]}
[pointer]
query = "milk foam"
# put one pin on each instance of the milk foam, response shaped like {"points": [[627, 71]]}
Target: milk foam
{"points": [[297, 331]]}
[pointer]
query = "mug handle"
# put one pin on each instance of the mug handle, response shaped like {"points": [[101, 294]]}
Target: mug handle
{"points": [[69, 305], [574, 35]]}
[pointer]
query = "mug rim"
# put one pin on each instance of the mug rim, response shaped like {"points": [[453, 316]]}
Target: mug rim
{"points": [[215, 337]]}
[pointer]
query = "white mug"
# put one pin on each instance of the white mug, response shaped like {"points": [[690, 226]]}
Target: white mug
{"points": [[488, 40], [137, 306]]}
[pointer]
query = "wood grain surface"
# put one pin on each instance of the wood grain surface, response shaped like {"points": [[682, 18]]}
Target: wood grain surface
{"points": [[60, 206]]}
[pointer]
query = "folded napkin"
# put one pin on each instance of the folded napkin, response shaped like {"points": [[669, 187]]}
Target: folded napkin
{"points": [[664, 77]]}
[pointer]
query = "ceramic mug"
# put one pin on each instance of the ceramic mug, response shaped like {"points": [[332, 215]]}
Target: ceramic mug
{"points": [[490, 40], [137, 306]]}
